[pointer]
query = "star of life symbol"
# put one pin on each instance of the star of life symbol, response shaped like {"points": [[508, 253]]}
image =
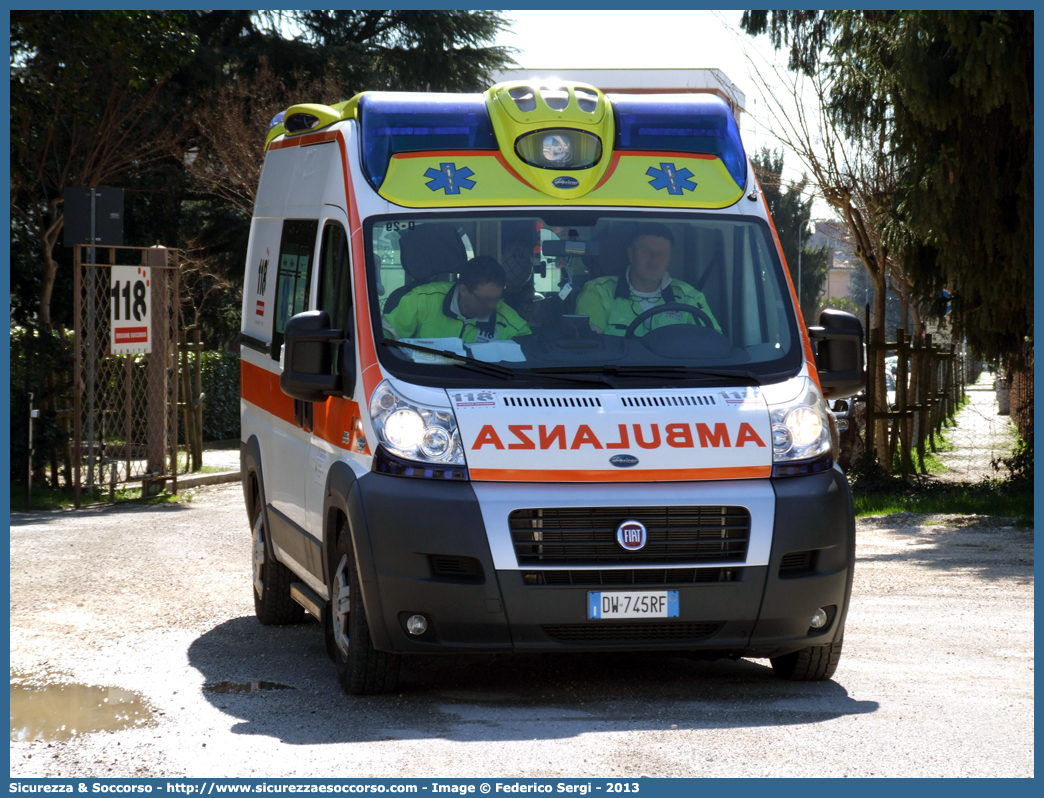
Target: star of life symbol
{"points": [[449, 178], [674, 180]]}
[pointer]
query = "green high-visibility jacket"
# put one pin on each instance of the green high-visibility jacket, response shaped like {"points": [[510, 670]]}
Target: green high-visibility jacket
{"points": [[425, 313], [612, 307]]}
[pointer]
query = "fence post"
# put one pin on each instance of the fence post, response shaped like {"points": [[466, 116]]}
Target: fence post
{"points": [[951, 399], [902, 346], [128, 376], [172, 321], [197, 402], [921, 416], [183, 391], [871, 393], [29, 446], [156, 368], [77, 371]]}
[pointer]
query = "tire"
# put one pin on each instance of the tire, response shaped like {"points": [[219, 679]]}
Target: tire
{"points": [[361, 669], [812, 664], [272, 603]]}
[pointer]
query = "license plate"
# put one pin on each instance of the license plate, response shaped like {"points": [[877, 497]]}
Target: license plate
{"points": [[633, 604]]}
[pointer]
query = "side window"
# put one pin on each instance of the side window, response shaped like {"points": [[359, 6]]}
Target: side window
{"points": [[295, 271], [335, 284]]}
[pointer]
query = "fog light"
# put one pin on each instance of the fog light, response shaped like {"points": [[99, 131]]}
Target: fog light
{"points": [[418, 624], [818, 621]]}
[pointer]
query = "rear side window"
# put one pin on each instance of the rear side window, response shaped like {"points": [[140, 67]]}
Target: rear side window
{"points": [[296, 250]]}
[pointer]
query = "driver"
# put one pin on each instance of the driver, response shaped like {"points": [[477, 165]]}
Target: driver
{"points": [[612, 303]]}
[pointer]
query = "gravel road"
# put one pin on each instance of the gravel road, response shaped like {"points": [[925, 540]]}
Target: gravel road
{"points": [[936, 678]]}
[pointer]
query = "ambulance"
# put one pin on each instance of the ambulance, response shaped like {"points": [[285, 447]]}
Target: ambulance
{"points": [[524, 371]]}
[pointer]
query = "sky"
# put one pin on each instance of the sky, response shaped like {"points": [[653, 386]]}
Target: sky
{"points": [[549, 40]]}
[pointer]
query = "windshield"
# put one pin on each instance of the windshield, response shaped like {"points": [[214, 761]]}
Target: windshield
{"points": [[580, 295]]}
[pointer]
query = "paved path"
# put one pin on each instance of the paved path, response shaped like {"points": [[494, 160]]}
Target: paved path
{"points": [[980, 437], [227, 459]]}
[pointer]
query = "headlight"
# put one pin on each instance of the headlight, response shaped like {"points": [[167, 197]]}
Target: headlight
{"points": [[800, 427], [403, 429], [415, 432]]}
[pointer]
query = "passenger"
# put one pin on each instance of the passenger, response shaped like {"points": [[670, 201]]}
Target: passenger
{"points": [[612, 304], [471, 309]]}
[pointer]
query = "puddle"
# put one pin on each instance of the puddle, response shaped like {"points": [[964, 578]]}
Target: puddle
{"points": [[245, 687], [61, 711]]}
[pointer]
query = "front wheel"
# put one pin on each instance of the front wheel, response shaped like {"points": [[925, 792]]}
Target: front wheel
{"points": [[812, 664], [361, 669], [272, 603]]}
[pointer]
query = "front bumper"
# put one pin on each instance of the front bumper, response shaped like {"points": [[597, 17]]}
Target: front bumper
{"points": [[406, 530]]}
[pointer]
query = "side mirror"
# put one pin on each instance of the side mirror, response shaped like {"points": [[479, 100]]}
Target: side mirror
{"points": [[308, 347], [838, 341]]}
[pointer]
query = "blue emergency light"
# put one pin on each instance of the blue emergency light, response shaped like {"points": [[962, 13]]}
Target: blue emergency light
{"points": [[415, 122], [394, 122], [696, 123]]}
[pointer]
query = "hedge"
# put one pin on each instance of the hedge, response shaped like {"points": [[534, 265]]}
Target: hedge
{"points": [[221, 386]]}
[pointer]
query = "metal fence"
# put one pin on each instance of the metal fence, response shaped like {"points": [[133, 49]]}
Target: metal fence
{"points": [[124, 405]]}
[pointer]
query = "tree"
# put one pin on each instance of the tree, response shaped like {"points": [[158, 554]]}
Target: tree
{"points": [[247, 69], [230, 125], [407, 50], [789, 212], [86, 88], [857, 175], [949, 95]]}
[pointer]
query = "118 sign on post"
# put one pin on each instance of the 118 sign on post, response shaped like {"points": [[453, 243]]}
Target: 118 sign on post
{"points": [[130, 310]]}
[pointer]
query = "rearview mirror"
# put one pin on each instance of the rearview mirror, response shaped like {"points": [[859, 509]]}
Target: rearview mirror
{"points": [[308, 347], [569, 246], [838, 343]]}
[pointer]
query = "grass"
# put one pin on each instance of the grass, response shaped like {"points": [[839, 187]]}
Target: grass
{"points": [[206, 469], [1011, 499], [46, 498], [932, 463]]}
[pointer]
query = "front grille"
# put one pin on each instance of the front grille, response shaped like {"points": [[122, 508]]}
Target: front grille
{"points": [[587, 535], [631, 576], [597, 632]]}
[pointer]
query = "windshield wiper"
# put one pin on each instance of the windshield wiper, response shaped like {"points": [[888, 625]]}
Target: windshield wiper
{"points": [[682, 372], [463, 361], [483, 367], [667, 372]]}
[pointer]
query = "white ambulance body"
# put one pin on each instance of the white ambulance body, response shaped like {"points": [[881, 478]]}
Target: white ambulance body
{"points": [[669, 486]]}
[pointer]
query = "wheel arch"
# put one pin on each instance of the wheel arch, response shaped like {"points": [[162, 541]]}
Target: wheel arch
{"points": [[343, 500], [252, 475]]}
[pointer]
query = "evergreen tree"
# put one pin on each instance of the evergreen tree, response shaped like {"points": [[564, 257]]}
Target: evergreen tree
{"points": [[950, 93]]}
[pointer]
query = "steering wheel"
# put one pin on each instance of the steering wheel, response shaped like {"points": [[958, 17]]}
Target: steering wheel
{"points": [[692, 310]]}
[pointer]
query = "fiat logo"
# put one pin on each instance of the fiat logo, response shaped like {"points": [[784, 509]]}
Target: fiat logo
{"points": [[631, 535]]}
